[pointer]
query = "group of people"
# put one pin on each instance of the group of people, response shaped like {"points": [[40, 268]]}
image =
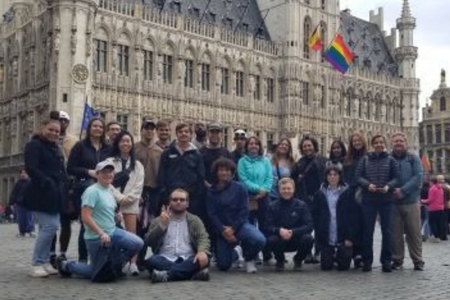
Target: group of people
{"points": [[195, 203]]}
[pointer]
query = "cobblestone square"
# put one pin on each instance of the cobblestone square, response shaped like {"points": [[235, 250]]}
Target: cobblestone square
{"points": [[310, 283]]}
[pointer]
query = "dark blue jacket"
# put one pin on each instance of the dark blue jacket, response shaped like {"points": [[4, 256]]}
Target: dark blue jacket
{"points": [[44, 163], [411, 176], [19, 191], [290, 214], [185, 171], [227, 206], [381, 170]]}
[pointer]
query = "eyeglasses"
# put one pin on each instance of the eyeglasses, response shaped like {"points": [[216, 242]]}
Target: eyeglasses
{"points": [[178, 200]]}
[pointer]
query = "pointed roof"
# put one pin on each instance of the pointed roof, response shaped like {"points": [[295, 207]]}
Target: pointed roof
{"points": [[406, 10]]}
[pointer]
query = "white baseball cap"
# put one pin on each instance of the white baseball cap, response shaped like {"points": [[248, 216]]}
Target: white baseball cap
{"points": [[104, 164], [240, 132], [64, 115]]}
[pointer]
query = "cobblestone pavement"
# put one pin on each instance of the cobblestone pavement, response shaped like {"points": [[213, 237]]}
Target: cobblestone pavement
{"points": [[310, 283]]}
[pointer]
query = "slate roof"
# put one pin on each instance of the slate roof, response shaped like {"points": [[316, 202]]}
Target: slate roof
{"points": [[371, 49], [241, 15]]}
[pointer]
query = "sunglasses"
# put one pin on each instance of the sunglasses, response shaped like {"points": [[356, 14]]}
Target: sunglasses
{"points": [[178, 200]]}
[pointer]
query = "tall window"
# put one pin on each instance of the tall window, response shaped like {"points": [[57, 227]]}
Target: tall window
{"points": [[360, 108], [205, 76], [369, 109], [323, 99], [225, 87], [123, 121], [123, 55], [270, 89], [305, 92], [148, 65], [439, 160], [101, 55], [447, 133], [323, 34], [240, 84], [429, 134], [438, 133], [270, 142], [349, 103], [443, 104], [189, 76], [323, 4], [306, 33], [257, 92], [167, 68]]}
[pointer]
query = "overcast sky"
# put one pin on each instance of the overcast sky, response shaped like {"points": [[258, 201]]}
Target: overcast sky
{"points": [[432, 34]]}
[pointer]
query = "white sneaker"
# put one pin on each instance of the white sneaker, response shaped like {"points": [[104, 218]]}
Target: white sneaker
{"points": [[50, 270], [239, 263], [250, 267], [133, 270], [38, 271], [126, 269]]}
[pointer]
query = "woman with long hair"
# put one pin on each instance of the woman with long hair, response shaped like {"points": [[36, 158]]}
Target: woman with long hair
{"points": [[282, 164], [357, 149], [83, 159], [128, 185], [338, 152], [44, 163], [378, 175]]}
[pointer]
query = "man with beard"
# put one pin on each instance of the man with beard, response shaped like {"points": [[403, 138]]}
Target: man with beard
{"points": [[200, 135]]}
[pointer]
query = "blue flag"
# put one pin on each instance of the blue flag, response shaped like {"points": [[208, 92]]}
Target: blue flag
{"points": [[88, 114]]}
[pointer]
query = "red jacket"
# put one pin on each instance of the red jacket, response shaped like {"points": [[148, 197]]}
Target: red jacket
{"points": [[435, 199]]}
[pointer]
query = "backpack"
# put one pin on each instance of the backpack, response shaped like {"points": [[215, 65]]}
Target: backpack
{"points": [[107, 267]]}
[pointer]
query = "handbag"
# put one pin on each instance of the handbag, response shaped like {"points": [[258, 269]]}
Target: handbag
{"points": [[121, 179], [106, 268]]}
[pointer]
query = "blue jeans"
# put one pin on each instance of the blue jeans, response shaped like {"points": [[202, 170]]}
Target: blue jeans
{"points": [[426, 231], [252, 242], [129, 244], [25, 219], [181, 269], [370, 211], [48, 225]]}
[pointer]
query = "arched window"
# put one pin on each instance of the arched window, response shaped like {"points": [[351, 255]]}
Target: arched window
{"points": [[168, 62], [258, 84], [206, 72], [240, 80], [190, 70], [148, 55], [443, 104], [306, 32]]}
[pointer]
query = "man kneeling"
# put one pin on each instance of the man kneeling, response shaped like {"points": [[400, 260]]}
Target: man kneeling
{"points": [[179, 242], [98, 215], [289, 226]]}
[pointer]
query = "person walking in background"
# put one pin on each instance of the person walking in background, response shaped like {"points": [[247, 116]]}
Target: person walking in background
{"points": [[83, 158], [446, 189], [336, 213], [127, 185], [406, 217], [357, 150], [435, 204], [308, 175], [282, 164], [24, 217], [44, 163], [378, 175]]}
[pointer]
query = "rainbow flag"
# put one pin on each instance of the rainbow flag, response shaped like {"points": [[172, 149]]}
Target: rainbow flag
{"points": [[315, 40], [425, 161], [339, 55]]}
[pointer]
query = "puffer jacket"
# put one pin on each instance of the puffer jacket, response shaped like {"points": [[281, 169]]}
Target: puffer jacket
{"points": [[379, 169]]}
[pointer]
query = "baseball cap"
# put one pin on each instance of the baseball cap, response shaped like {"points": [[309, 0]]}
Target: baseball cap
{"points": [[148, 123], [104, 164], [213, 127], [240, 133], [64, 115]]}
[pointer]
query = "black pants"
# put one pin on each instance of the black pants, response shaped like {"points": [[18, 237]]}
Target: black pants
{"points": [[340, 254], [438, 224], [302, 244], [82, 248], [64, 234]]}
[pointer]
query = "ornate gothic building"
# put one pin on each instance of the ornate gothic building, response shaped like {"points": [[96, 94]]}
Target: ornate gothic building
{"points": [[241, 63]]}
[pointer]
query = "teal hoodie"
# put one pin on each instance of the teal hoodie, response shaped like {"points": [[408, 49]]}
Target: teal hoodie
{"points": [[255, 173]]}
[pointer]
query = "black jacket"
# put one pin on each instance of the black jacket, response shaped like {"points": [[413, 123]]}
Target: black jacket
{"points": [[350, 171], [210, 155], [44, 163], [347, 216], [380, 170], [308, 173], [185, 171], [289, 214], [85, 157], [19, 191]]}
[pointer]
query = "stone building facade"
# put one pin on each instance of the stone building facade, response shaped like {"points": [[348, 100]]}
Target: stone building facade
{"points": [[434, 129], [241, 63]]}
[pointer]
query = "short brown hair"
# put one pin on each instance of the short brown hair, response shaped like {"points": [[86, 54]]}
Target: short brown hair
{"points": [[162, 123], [112, 123], [376, 136], [286, 180], [183, 125], [179, 190]]}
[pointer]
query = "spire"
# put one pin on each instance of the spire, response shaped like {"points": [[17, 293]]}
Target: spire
{"points": [[406, 10], [443, 84]]}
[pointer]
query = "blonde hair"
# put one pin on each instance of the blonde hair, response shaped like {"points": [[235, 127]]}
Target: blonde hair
{"points": [[286, 180]]}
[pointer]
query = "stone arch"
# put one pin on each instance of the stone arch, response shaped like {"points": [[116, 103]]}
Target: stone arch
{"points": [[124, 36], [103, 32], [149, 43]]}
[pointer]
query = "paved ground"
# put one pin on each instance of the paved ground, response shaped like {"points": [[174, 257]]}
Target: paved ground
{"points": [[311, 283]]}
